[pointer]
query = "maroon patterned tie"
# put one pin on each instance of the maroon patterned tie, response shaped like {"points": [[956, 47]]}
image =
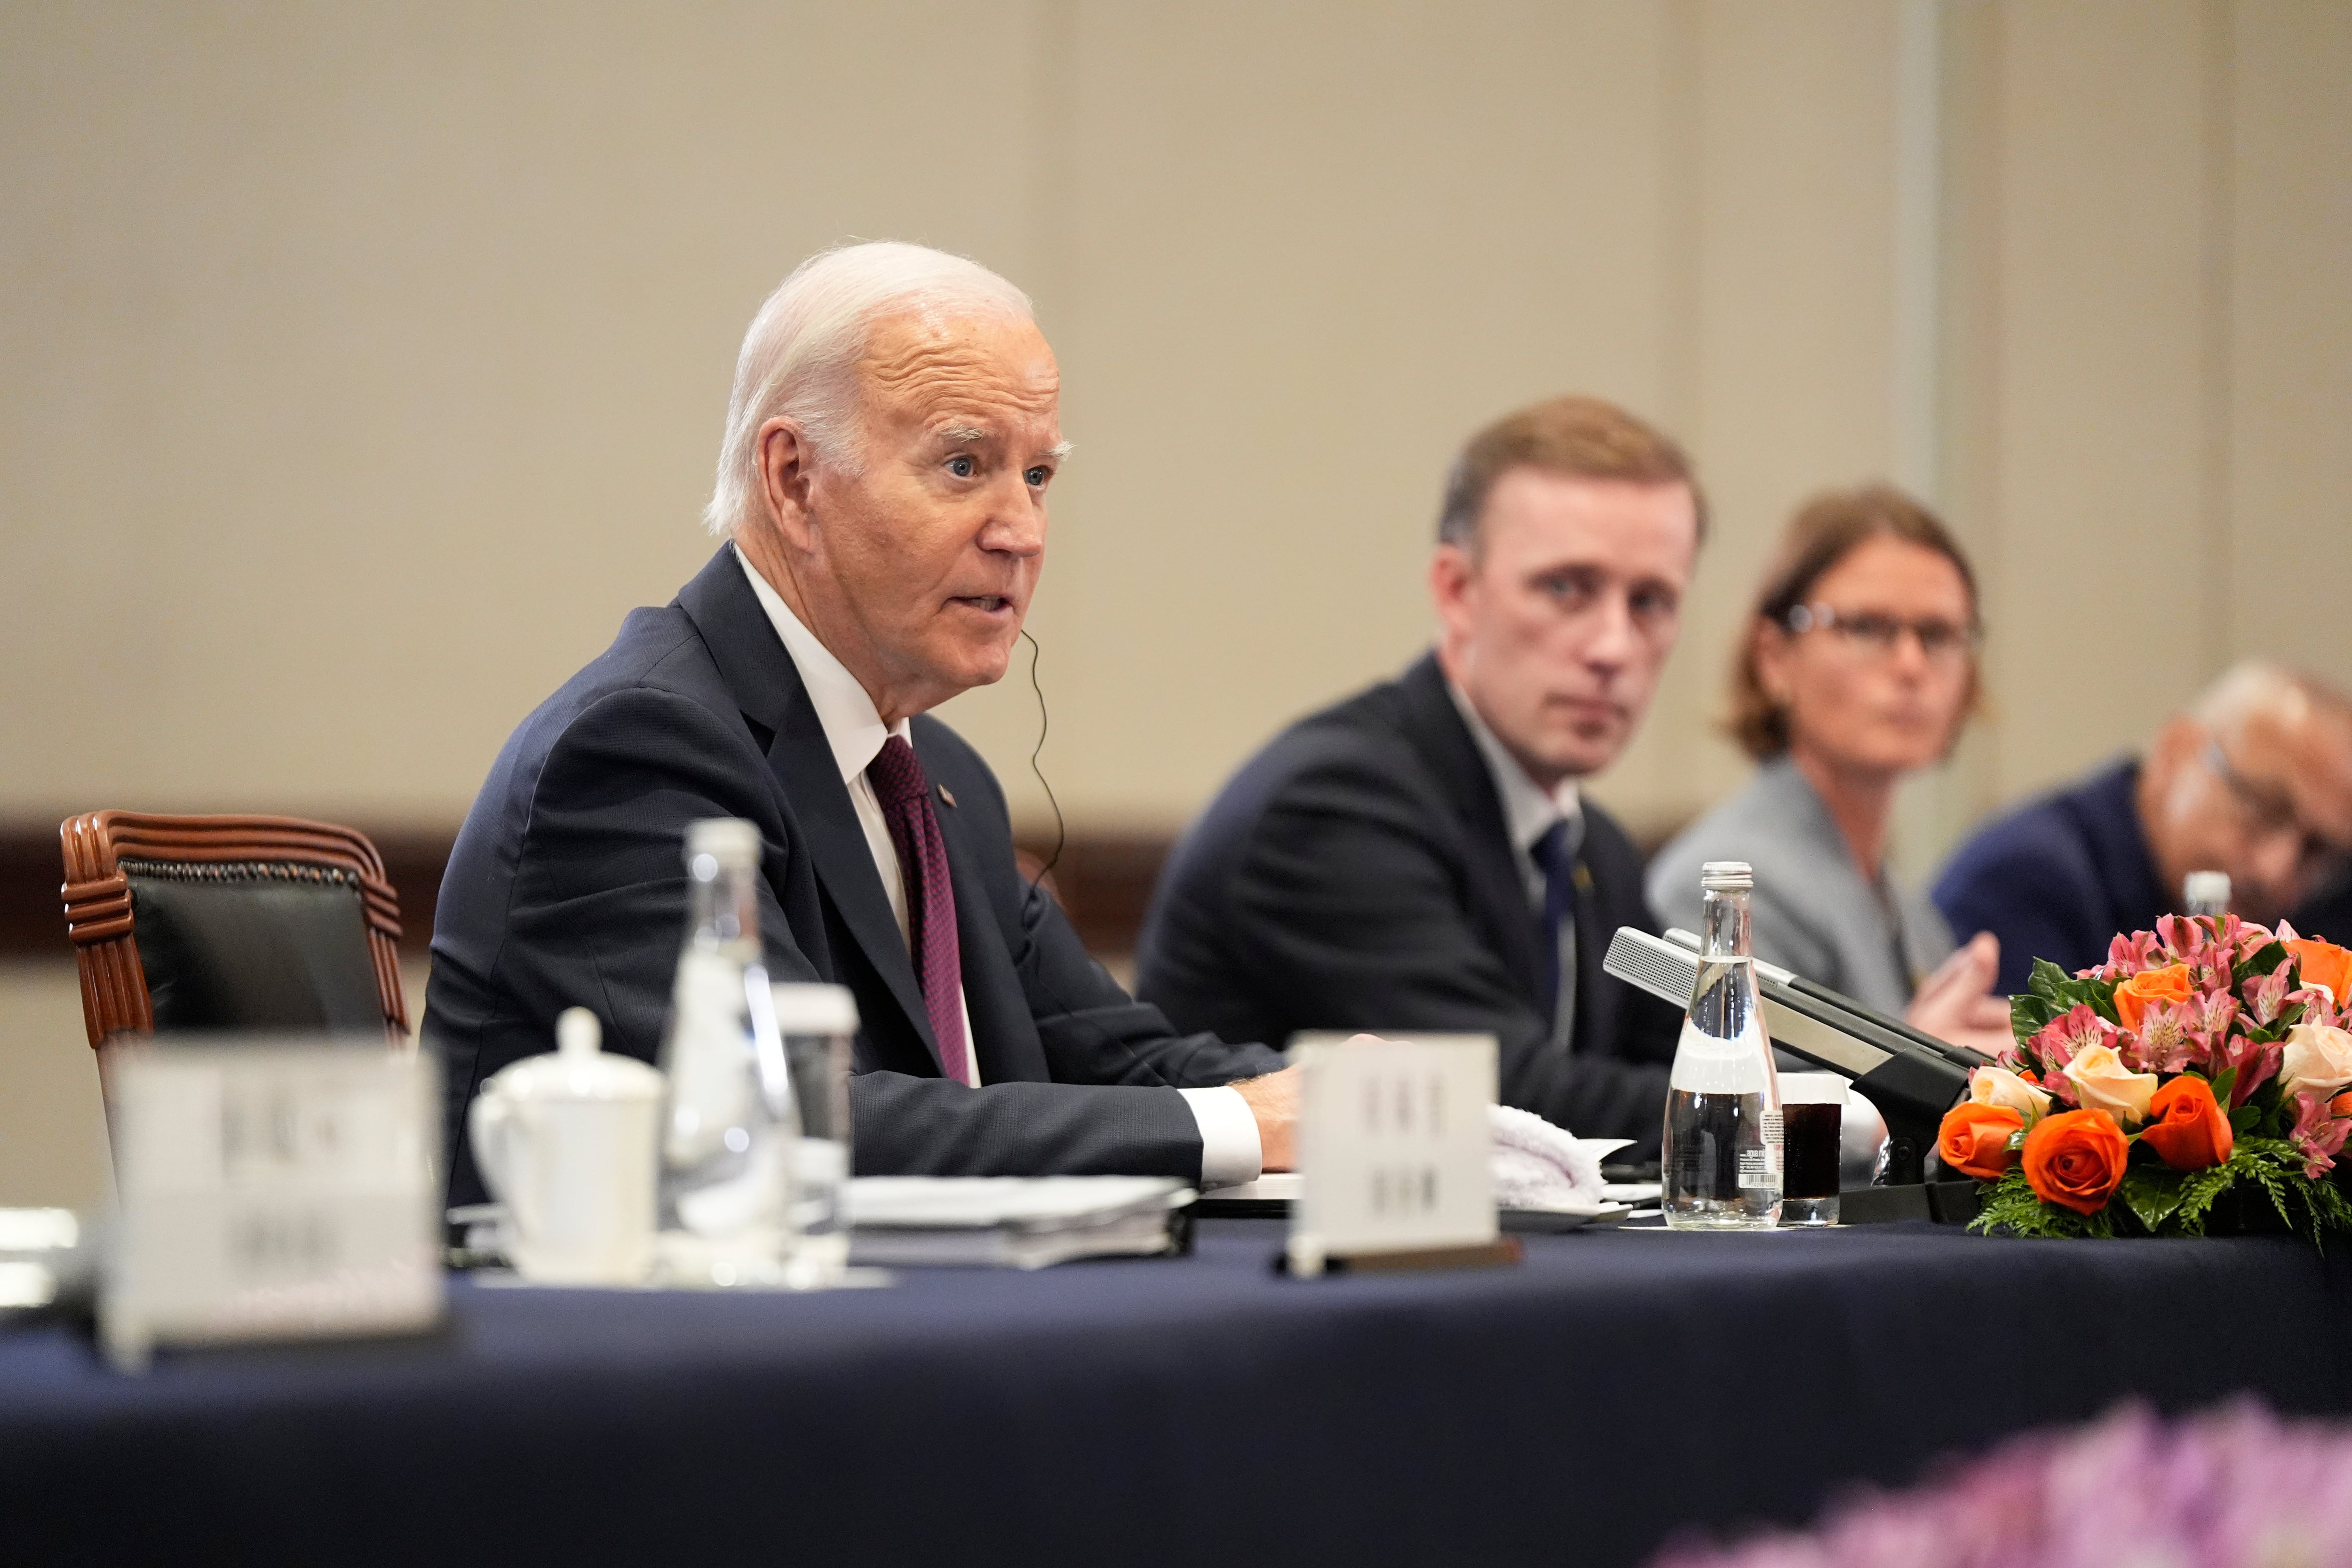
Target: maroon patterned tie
{"points": [[899, 783]]}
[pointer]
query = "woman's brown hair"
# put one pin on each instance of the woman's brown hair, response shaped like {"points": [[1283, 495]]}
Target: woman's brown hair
{"points": [[1825, 530]]}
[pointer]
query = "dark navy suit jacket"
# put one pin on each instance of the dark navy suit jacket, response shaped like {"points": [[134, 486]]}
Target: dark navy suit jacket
{"points": [[2059, 878], [567, 888], [1358, 873], [2328, 912]]}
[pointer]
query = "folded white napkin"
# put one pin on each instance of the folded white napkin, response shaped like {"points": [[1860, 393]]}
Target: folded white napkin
{"points": [[1538, 1165]]}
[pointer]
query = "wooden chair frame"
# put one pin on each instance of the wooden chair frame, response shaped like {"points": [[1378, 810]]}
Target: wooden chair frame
{"points": [[98, 897]]}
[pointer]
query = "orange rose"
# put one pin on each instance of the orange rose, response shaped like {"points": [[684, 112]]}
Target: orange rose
{"points": [[2341, 1105], [1974, 1138], [2169, 984], [2186, 1127], [2075, 1160], [2323, 964]]}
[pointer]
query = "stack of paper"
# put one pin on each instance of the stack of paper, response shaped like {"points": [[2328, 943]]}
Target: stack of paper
{"points": [[1009, 1222]]}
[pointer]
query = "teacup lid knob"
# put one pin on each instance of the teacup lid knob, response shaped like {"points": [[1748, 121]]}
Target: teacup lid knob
{"points": [[578, 1033]]}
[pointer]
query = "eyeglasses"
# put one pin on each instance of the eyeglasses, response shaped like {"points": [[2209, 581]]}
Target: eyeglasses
{"points": [[1867, 631], [2269, 813]]}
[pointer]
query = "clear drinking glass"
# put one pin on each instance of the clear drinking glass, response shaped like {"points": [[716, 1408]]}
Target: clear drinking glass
{"points": [[1721, 1164], [1812, 1116], [818, 1025]]}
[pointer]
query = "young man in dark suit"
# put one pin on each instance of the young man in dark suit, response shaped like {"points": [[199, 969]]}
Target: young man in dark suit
{"points": [[882, 486], [1419, 857]]}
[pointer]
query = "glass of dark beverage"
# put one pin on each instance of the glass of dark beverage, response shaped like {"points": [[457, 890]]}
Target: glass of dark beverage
{"points": [[1811, 1110]]}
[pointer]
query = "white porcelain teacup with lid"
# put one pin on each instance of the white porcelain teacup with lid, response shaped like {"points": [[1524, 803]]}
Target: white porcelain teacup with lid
{"points": [[567, 1142]]}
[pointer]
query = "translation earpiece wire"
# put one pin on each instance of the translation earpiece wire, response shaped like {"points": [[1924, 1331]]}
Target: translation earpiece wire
{"points": [[1061, 829]]}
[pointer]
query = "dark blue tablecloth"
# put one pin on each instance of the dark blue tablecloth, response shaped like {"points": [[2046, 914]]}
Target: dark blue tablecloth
{"points": [[1575, 1410]]}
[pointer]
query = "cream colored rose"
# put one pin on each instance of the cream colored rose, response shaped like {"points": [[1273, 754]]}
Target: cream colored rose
{"points": [[2102, 1082], [2317, 1059], [1999, 1085]]}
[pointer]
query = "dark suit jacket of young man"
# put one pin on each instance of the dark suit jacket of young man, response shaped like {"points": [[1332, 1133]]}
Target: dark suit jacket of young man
{"points": [[568, 887], [1358, 873]]}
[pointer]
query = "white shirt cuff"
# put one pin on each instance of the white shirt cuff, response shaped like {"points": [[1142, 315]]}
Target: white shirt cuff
{"points": [[1230, 1152]]}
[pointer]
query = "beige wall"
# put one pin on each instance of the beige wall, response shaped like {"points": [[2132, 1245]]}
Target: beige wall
{"points": [[364, 364], [52, 1131], [2161, 379]]}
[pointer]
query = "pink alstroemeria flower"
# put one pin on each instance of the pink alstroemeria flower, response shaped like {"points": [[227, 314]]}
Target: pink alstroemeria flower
{"points": [[2240, 937], [2211, 1016], [2318, 1133], [2255, 1065], [2208, 947], [2128, 956], [2183, 937], [2061, 1039], [2266, 997], [2168, 1040], [2318, 1004], [2011, 1054]]}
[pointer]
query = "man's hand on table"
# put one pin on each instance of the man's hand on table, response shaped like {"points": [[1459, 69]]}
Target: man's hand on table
{"points": [[1956, 1004], [1273, 1101]]}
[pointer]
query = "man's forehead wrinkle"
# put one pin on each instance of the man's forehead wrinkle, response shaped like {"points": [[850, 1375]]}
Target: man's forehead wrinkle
{"points": [[913, 361], [948, 410], [968, 390], [937, 383], [911, 354]]}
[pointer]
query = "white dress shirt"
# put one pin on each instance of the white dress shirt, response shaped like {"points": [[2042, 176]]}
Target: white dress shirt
{"points": [[1528, 812], [1230, 1151]]}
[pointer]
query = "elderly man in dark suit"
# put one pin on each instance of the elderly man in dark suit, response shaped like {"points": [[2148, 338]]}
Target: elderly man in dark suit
{"points": [[1419, 857], [2255, 781], [882, 485]]}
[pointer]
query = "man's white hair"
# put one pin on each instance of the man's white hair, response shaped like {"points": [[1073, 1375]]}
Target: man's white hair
{"points": [[800, 356]]}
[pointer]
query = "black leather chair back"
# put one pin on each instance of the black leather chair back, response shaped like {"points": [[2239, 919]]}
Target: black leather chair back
{"points": [[230, 922], [253, 946]]}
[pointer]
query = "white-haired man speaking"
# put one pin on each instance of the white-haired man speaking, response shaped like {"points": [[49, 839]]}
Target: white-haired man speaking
{"points": [[882, 484]]}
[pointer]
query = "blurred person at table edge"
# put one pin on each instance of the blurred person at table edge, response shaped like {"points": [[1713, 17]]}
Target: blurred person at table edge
{"points": [[2254, 780], [1419, 857], [882, 486], [1859, 666]]}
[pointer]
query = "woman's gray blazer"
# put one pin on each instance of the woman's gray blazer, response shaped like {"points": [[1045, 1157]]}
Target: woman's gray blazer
{"points": [[1814, 911]]}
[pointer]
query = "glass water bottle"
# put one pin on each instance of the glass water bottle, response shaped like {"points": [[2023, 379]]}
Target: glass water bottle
{"points": [[1721, 1164], [731, 1129], [2205, 893]]}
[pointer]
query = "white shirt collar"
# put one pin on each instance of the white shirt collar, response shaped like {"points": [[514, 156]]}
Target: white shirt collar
{"points": [[1528, 809], [853, 727]]}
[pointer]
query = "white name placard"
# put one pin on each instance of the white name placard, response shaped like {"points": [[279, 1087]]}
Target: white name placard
{"points": [[271, 1190], [1394, 1149]]}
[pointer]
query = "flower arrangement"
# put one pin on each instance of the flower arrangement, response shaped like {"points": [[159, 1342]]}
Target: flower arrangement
{"points": [[2208, 1054], [2235, 1489]]}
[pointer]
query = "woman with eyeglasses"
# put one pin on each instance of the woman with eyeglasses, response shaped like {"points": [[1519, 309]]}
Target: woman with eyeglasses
{"points": [[1858, 669]]}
